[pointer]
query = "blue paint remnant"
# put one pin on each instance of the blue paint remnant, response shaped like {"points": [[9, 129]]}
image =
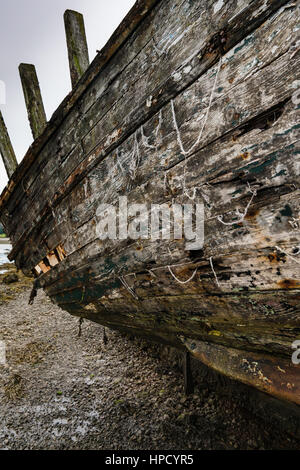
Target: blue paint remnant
{"points": [[286, 211], [237, 191], [246, 42], [280, 173], [254, 168], [296, 126]]}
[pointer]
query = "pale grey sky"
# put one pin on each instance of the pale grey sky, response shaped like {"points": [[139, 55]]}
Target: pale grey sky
{"points": [[32, 31]]}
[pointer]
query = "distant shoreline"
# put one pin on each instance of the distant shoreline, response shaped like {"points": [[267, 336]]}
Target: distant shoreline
{"points": [[4, 241]]}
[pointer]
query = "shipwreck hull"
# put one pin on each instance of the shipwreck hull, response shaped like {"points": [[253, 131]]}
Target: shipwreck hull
{"points": [[189, 100]]}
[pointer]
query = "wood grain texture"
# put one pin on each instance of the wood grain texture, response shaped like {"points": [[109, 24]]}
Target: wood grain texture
{"points": [[274, 376], [214, 78], [6, 149], [77, 45], [33, 99], [254, 13]]}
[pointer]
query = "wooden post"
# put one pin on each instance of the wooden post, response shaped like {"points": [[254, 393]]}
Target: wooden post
{"points": [[187, 373], [77, 45], [6, 149], [33, 99]]}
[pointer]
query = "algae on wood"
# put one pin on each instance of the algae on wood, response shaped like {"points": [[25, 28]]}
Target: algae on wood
{"points": [[33, 99], [77, 45], [6, 149]]}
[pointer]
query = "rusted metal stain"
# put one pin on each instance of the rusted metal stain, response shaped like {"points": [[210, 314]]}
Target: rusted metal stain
{"points": [[275, 376]]}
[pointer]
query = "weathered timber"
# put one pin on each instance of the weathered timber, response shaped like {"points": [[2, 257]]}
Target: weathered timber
{"points": [[6, 149], [233, 148], [272, 375], [33, 99], [254, 16], [139, 12], [77, 45], [194, 104]]}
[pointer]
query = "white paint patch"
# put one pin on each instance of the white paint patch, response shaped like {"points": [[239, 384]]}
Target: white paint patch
{"points": [[218, 6], [187, 69], [177, 76], [296, 84], [149, 102]]}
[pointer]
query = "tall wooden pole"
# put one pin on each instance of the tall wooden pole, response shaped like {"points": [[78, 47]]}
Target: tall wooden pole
{"points": [[6, 149], [33, 99], [77, 45]]}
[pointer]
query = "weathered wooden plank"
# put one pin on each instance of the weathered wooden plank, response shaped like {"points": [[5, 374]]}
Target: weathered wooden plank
{"points": [[237, 148], [109, 84], [244, 156], [267, 323], [242, 289], [85, 195], [33, 99], [6, 149], [139, 11], [69, 132], [275, 376], [77, 45]]}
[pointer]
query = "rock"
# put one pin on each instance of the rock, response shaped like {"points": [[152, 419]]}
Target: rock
{"points": [[10, 278]]}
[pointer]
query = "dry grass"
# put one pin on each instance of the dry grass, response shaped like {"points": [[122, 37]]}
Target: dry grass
{"points": [[10, 291], [14, 387], [33, 353]]}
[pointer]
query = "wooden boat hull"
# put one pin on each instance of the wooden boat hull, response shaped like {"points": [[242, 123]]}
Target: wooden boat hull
{"points": [[185, 106]]}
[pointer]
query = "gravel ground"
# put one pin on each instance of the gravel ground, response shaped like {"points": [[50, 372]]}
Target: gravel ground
{"points": [[62, 391]]}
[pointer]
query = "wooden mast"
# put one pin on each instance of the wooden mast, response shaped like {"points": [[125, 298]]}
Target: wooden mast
{"points": [[77, 45], [6, 149], [33, 99]]}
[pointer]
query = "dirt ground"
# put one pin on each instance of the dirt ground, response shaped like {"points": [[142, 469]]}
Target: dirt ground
{"points": [[62, 391]]}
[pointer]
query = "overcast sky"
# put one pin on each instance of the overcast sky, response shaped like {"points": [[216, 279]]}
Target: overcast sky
{"points": [[32, 31]]}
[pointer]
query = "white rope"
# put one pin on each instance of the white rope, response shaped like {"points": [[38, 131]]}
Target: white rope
{"points": [[119, 162], [160, 121], [128, 287], [279, 249], [157, 50], [192, 198], [212, 268], [187, 152], [183, 282], [135, 158], [145, 140], [152, 273], [242, 216]]}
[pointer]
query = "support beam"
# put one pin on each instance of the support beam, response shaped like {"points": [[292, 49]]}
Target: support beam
{"points": [[6, 149], [77, 45], [271, 374], [187, 373], [33, 99]]}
